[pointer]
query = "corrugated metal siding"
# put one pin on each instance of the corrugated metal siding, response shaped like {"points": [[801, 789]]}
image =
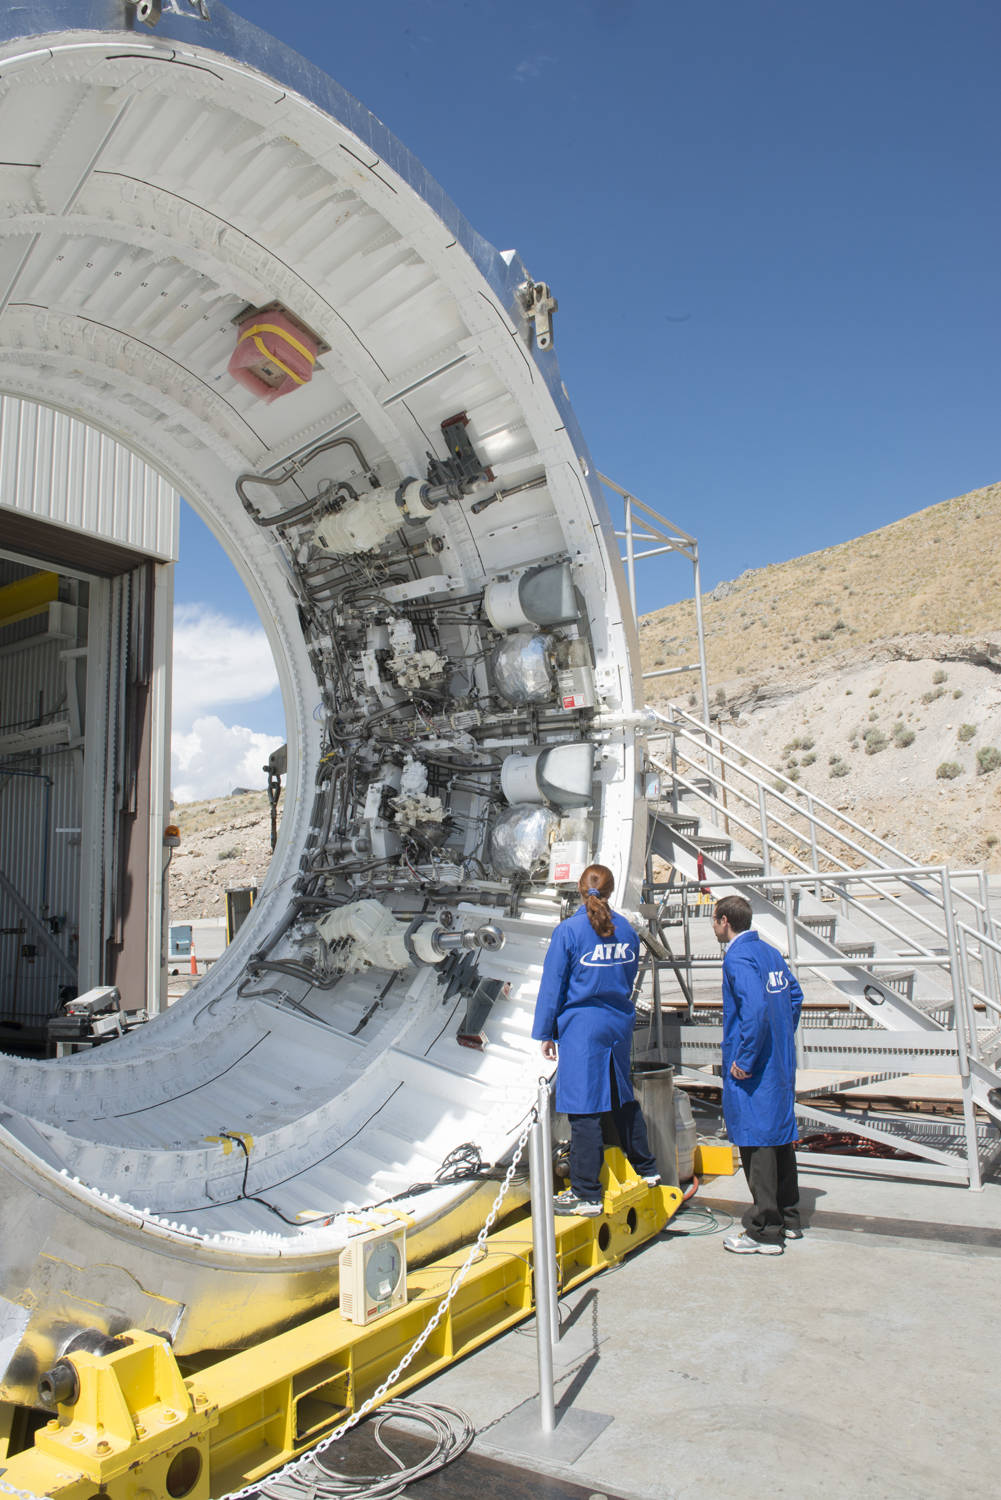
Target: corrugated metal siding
{"points": [[58, 469], [41, 862]]}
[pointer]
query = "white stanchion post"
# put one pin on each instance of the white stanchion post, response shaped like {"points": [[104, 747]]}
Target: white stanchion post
{"points": [[546, 1132], [578, 1429], [540, 1181]]}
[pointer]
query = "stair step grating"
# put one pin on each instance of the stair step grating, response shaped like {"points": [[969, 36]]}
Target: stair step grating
{"points": [[715, 848], [823, 926]]}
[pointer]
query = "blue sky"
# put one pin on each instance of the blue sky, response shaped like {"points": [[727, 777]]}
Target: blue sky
{"points": [[772, 229]]}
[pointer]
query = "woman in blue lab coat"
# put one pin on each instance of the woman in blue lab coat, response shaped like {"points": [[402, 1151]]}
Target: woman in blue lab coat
{"points": [[585, 1015]]}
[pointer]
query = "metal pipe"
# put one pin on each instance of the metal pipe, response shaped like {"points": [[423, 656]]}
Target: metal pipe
{"points": [[793, 961], [989, 963], [549, 1225], [658, 1009], [700, 630], [630, 556], [540, 1174], [766, 854], [811, 815], [296, 512], [964, 1024], [674, 774], [516, 489]]}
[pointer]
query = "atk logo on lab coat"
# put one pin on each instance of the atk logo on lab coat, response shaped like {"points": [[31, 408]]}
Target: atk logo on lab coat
{"points": [[778, 980], [608, 955]]}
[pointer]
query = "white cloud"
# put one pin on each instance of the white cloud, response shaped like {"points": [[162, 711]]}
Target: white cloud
{"points": [[217, 661], [532, 67], [211, 758]]}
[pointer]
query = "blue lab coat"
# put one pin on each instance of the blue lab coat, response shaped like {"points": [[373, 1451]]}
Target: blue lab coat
{"points": [[586, 1004], [761, 1005]]}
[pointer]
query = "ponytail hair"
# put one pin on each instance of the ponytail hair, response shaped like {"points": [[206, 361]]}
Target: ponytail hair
{"points": [[596, 885]]}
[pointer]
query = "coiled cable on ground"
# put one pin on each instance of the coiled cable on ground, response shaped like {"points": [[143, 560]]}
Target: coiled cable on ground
{"points": [[692, 1221], [451, 1432]]}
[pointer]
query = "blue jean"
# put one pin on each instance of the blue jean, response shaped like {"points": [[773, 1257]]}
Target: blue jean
{"points": [[587, 1145]]}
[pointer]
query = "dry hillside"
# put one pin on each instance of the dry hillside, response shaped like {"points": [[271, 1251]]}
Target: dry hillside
{"points": [[938, 570], [860, 670], [225, 843], [870, 672]]}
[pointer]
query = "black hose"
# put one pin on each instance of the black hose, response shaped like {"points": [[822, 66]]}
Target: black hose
{"points": [[298, 512]]}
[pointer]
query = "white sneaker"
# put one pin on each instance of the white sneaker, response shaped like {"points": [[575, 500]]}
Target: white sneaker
{"points": [[742, 1244], [568, 1202]]}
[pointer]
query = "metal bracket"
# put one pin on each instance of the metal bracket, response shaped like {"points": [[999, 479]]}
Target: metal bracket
{"points": [[539, 304], [462, 469]]}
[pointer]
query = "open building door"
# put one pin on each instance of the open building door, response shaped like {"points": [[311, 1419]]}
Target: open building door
{"points": [[85, 646]]}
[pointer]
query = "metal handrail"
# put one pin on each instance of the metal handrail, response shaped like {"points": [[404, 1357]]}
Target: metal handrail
{"points": [[817, 876], [813, 822], [965, 933], [834, 878], [963, 1027], [707, 729], [659, 528], [981, 907]]}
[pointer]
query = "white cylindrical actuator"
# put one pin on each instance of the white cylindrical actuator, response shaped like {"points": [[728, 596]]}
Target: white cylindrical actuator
{"points": [[559, 774], [541, 596]]}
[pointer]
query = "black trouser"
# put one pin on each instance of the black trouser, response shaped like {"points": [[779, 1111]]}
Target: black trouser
{"points": [[587, 1144], [771, 1176]]}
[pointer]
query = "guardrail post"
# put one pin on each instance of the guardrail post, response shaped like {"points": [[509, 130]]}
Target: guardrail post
{"points": [[964, 1022], [549, 1225], [700, 630], [813, 842], [989, 959], [793, 964], [766, 858], [541, 1185], [630, 551], [674, 771]]}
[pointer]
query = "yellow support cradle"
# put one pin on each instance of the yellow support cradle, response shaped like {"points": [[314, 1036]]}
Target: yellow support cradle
{"points": [[137, 1428]]}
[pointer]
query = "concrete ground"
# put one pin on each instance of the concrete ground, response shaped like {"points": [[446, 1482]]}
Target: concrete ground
{"points": [[863, 1361]]}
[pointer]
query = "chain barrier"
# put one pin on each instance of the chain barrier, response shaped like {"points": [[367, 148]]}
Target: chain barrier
{"points": [[298, 1465]]}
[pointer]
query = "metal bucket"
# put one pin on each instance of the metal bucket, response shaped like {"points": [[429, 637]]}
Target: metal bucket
{"points": [[653, 1085]]}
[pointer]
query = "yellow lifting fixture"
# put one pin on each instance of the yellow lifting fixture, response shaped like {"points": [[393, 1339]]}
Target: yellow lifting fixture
{"points": [[132, 1426]]}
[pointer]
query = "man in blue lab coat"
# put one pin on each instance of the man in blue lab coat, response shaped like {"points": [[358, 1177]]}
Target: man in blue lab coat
{"points": [[761, 1005]]}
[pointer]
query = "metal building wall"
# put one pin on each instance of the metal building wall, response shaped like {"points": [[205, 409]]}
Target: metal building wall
{"points": [[56, 472], [57, 469]]}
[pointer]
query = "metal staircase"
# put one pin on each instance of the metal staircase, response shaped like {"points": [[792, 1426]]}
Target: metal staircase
{"points": [[900, 963]]}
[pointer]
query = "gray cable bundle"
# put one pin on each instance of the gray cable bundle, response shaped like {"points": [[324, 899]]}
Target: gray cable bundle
{"points": [[309, 1479]]}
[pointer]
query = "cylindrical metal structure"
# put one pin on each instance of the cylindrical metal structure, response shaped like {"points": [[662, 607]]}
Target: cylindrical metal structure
{"points": [[545, 1108], [541, 1173], [158, 186]]}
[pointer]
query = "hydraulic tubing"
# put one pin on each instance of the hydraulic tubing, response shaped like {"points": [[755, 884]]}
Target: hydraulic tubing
{"points": [[306, 508]]}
